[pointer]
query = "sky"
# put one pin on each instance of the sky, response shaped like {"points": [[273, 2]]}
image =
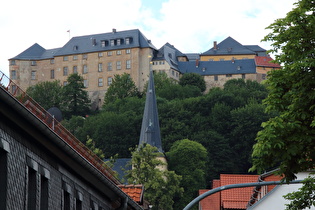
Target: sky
{"points": [[191, 26]]}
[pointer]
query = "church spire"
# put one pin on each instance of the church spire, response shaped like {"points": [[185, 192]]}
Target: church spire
{"points": [[150, 128]]}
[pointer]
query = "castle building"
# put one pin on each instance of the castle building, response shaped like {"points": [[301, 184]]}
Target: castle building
{"points": [[98, 57]]}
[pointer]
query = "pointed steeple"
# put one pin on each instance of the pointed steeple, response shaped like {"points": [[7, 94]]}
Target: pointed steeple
{"points": [[150, 129]]}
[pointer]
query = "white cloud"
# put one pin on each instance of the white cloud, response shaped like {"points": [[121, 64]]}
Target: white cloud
{"points": [[191, 26]]}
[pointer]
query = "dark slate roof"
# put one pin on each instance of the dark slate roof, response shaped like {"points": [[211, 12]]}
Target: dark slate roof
{"points": [[229, 46], [92, 43], [32, 53], [150, 128], [121, 166], [168, 53], [204, 68], [193, 56]]}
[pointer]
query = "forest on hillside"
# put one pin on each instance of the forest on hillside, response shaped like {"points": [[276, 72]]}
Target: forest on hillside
{"points": [[224, 120]]}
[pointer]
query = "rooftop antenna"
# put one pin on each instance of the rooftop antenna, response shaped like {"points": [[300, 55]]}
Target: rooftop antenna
{"points": [[69, 33]]}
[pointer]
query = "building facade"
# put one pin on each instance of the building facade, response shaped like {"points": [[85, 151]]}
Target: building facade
{"points": [[42, 166], [99, 57]]}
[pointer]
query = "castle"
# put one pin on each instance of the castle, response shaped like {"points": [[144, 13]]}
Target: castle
{"points": [[98, 57]]}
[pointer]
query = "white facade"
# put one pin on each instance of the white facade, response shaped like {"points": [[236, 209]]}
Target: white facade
{"points": [[274, 200]]}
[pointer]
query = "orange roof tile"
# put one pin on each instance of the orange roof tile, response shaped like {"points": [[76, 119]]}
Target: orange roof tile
{"points": [[265, 61], [239, 196], [133, 191]]}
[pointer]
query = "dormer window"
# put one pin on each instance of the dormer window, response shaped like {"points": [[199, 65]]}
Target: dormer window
{"points": [[112, 42], [128, 40], [103, 43]]}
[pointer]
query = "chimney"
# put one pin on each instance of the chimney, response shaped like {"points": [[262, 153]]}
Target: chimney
{"points": [[114, 30], [215, 47], [197, 63]]}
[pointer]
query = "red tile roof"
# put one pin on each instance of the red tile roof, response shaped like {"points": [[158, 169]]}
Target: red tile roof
{"points": [[266, 61], [133, 191], [238, 197], [229, 199]]}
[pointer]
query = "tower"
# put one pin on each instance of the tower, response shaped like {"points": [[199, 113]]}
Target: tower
{"points": [[150, 128]]}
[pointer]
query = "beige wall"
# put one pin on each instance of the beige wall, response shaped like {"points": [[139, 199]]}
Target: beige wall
{"points": [[225, 57], [139, 70], [211, 83]]}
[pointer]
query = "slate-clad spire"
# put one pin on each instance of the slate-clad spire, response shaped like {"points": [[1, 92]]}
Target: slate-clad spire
{"points": [[150, 129]]}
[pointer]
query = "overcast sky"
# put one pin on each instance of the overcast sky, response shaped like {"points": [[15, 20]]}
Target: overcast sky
{"points": [[191, 26]]}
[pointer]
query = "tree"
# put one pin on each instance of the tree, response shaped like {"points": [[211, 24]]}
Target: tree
{"points": [[193, 79], [287, 141], [188, 159], [122, 86], [75, 98], [160, 185], [47, 94]]}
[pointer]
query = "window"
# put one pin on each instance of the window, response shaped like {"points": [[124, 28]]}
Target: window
{"points": [[211, 59], [52, 61], [85, 69], [263, 76], [118, 41], [215, 77], [103, 43], [128, 51], [100, 67], [13, 74], [127, 41], [65, 83], [228, 75], [52, 74], [33, 75], [65, 58], [109, 81], [75, 57], [112, 42], [65, 71], [221, 59], [85, 56], [118, 65], [12, 62], [128, 64], [31, 183], [100, 54], [118, 52], [75, 69], [85, 83], [109, 66], [100, 82], [78, 200], [243, 76], [44, 182], [4, 149], [66, 196], [33, 63], [109, 53]]}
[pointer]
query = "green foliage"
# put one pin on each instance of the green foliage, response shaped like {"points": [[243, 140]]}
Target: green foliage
{"points": [[193, 79], [287, 140], [184, 156], [75, 98], [97, 151], [304, 197], [46, 94], [74, 124], [160, 185], [122, 86]]}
